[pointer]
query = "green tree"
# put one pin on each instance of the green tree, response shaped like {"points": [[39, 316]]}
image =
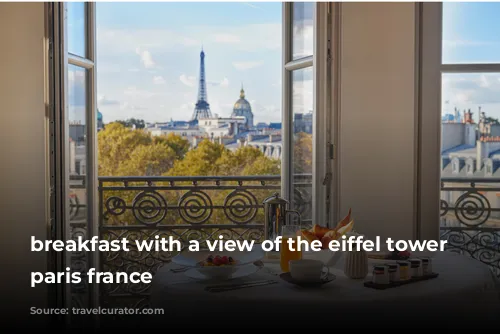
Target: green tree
{"points": [[139, 123], [149, 160], [200, 161]]}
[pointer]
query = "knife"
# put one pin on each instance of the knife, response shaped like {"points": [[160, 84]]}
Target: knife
{"points": [[229, 287]]}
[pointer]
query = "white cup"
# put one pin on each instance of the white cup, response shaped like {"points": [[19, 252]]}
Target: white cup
{"points": [[306, 270]]}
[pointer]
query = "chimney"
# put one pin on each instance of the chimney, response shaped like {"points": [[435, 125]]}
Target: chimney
{"points": [[250, 138]]}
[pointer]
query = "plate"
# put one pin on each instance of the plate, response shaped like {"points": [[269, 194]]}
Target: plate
{"points": [[241, 271], [191, 259], [288, 277]]}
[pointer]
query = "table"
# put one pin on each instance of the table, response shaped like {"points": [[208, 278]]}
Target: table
{"points": [[466, 290]]}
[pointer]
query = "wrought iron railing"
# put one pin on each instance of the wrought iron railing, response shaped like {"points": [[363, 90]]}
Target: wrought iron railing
{"points": [[470, 218], [205, 207], [185, 208]]}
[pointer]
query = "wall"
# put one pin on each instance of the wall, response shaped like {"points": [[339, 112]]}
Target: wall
{"points": [[452, 134], [23, 177], [378, 118]]}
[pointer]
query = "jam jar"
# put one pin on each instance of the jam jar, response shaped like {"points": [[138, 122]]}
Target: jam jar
{"points": [[415, 267], [404, 270], [393, 269], [380, 275], [426, 265]]}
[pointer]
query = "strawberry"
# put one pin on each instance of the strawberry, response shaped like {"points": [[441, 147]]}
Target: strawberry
{"points": [[217, 261], [224, 260]]}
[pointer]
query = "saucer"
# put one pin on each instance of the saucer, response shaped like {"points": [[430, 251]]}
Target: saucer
{"points": [[242, 271], [288, 277]]}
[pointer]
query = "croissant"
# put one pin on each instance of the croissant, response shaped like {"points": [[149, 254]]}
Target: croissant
{"points": [[346, 220]]}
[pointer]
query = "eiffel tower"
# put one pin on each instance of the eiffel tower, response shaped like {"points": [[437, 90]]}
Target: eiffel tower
{"points": [[202, 108]]}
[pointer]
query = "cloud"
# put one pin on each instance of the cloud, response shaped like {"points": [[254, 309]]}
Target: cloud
{"points": [[102, 100], [226, 38], [158, 80], [189, 81], [471, 89], [248, 4], [246, 65], [223, 83], [249, 37], [465, 43], [136, 93], [146, 58], [129, 106]]}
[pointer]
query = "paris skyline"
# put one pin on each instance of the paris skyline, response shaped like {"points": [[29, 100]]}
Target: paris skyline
{"points": [[149, 69]]}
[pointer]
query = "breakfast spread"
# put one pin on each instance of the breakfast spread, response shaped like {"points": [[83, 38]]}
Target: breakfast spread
{"points": [[325, 234], [217, 261]]}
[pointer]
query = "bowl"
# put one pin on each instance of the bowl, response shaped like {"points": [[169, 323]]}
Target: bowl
{"points": [[192, 259], [218, 272]]}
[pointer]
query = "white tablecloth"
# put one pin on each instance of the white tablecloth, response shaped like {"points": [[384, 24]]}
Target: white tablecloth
{"points": [[464, 288]]}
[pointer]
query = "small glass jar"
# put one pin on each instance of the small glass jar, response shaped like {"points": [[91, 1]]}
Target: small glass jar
{"points": [[415, 267], [404, 270], [393, 269], [380, 275], [426, 265]]}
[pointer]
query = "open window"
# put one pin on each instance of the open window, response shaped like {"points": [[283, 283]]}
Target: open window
{"points": [[307, 143], [74, 122]]}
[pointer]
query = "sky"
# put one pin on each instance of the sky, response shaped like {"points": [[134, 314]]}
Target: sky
{"points": [[471, 35], [148, 58]]}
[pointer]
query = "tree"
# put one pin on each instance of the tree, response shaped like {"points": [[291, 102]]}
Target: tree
{"points": [[175, 142], [115, 144], [302, 153], [149, 160], [200, 161], [139, 123], [123, 151]]}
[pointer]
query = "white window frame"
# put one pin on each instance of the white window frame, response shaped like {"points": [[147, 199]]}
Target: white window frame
{"points": [[430, 71], [61, 59], [322, 180]]}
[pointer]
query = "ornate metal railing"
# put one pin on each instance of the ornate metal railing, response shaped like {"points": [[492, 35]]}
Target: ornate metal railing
{"points": [[470, 218], [186, 208]]}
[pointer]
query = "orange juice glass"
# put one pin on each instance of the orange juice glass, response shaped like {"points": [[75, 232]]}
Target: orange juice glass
{"points": [[286, 255]]}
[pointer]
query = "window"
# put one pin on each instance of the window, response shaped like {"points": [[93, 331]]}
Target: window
{"points": [[304, 111], [75, 118]]}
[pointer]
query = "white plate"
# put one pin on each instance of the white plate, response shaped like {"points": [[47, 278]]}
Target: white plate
{"points": [[240, 272], [191, 259]]}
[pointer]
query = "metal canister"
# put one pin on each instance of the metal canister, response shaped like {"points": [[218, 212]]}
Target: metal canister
{"points": [[276, 211]]}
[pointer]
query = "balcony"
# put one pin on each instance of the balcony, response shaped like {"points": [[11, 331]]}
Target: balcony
{"points": [[470, 218], [201, 208], [186, 208]]}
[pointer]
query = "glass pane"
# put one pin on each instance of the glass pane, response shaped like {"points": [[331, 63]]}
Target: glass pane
{"points": [[77, 111], [303, 29], [302, 153], [77, 42], [470, 156], [470, 32]]}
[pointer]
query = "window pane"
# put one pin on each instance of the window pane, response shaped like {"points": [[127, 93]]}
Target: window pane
{"points": [[77, 110], [302, 34], [302, 154], [470, 32], [77, 42]]}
